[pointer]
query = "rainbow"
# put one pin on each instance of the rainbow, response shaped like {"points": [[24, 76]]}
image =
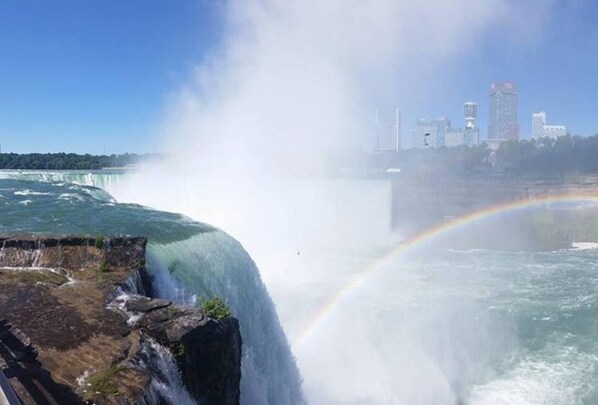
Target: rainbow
{"points": [[422, 238]]}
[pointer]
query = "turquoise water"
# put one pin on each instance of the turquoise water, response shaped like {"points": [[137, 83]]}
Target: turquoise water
{"points": [[187, 259], [436, 327]]}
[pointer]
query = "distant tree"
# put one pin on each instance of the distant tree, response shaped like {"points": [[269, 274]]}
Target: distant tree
{"points": [[65, 161]]}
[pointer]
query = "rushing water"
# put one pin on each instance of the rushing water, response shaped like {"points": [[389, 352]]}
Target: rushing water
{"points": [[476, 327], [191, 258], [434, 327]]}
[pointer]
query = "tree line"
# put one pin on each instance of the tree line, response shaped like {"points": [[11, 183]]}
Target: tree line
{"points": [[66, 161], [565, 155]]}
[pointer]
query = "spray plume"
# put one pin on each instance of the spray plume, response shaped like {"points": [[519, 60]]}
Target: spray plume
{"points": [[293, 84]]}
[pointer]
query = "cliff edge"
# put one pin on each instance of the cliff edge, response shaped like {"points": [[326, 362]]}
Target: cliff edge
{"points": [[74, 328]]}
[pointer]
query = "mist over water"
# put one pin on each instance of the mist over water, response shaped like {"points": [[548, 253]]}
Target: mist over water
{"points": [[251, 139]]}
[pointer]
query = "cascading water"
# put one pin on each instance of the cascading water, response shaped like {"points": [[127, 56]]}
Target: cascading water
{"points": [[107, 180], [181, 252], [213, 263], [442, 327], [166, 384]]}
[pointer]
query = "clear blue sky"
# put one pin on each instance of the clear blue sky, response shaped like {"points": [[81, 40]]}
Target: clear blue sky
{"points": [[94, 76]]}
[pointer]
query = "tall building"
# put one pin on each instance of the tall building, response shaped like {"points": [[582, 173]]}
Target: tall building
{"points": [[538, 122], [470, 110], [470, 134], [388, 130], [503, 124], [430, 133]]}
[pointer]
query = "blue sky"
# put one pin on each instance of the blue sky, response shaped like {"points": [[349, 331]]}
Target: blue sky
{"points": [[557, 72], [95, 76]]}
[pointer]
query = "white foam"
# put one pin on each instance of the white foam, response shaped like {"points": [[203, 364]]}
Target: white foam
{"points": [[29, 192], [584, 245], [559, 380]]}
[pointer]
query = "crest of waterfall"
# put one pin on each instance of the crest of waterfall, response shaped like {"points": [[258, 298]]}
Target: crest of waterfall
{"points": [[187, 259]]}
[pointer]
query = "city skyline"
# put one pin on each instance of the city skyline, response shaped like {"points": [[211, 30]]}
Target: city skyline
{"points": [[437, 132]]}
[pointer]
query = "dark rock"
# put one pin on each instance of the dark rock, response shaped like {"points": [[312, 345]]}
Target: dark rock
{"points": [[145, 304], [67, 334], [207, 351], [211, 368]]}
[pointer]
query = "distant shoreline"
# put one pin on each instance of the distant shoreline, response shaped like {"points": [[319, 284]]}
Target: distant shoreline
{"points": [[71, 161]]}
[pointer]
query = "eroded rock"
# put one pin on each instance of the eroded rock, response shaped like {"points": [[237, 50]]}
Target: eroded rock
{"points": [[57, 333]]}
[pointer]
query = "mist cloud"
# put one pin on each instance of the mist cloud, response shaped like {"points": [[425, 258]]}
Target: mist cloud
{"points": [[293, 81]]}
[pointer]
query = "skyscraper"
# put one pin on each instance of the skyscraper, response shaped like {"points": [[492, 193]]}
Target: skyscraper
{"points": [[388, 130], [470, 134], [503, 124], [471, 112], [538, 122]]}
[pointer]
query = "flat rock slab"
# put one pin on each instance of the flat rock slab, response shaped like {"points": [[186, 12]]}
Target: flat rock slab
{"points": [[145, 304]]}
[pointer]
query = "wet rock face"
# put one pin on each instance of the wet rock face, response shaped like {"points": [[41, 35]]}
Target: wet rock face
{"points": [[208, 352], [73, 253], [55, 326], [211, 365]]}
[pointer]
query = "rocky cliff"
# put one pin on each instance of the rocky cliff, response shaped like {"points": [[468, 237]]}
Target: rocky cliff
{"points": [[73, 328]]}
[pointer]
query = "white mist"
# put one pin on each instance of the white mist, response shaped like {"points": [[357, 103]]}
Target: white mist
{"points": [[294, 83]]}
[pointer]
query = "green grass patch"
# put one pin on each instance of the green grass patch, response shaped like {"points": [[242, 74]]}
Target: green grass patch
{"points": [[214, 307], [99, 242], [178, 351], [103, 268], [105, 382]]}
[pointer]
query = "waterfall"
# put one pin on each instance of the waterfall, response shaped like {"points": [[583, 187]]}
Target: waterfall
{"points": [[132, 285], [186, 260], [213, 263], [166, 385], [107, 180]]}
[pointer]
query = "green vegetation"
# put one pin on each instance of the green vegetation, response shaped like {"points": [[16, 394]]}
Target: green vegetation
{"points": [[178, 351], [214, 308], [99, 242], [566, 155], [67, 161], [105, 382], [103, 267]]}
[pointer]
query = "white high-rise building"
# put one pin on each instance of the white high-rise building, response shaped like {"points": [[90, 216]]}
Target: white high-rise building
{"points": [[388, 130], [538, 122], [471, 112], [503, 125]]}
